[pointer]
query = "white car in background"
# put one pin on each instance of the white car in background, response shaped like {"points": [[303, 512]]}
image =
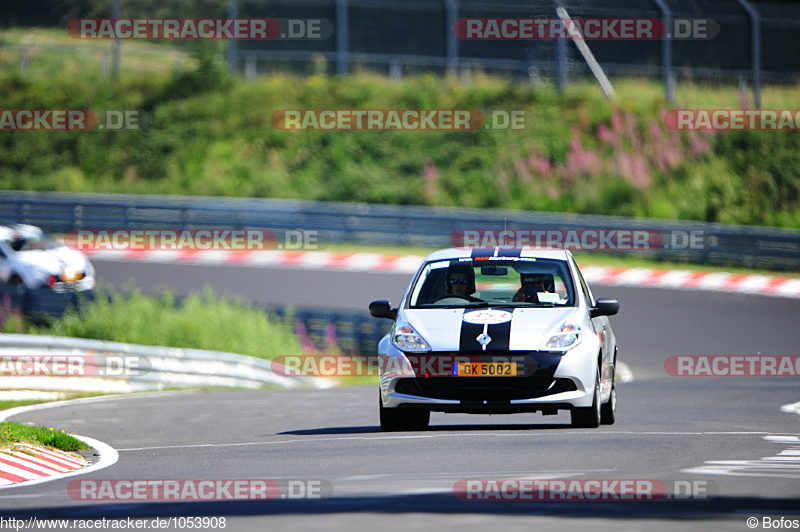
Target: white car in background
{"points": [[31, 257]]}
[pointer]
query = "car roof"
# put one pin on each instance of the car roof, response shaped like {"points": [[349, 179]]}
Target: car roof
{"points": [[24, 230], [465, 253]]}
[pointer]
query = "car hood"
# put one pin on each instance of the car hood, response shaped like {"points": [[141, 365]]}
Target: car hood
{"points": [[52, 261], [515, 329]]}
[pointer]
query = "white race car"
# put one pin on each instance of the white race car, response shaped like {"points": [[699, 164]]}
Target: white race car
{"points": [[30, 257], [497, 331]]}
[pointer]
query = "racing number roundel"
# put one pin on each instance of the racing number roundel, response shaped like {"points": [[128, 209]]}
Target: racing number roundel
{"points": [[490, 317]]}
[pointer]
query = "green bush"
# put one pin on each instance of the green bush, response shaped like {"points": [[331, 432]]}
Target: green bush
{"points": [[212, 135]]}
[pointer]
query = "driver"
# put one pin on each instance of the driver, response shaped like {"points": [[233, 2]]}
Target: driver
{"points": [[18, 241], [532, 285], [460, 280]]}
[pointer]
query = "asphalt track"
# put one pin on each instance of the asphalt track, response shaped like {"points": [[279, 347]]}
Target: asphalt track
{"points": [[728, 432]]}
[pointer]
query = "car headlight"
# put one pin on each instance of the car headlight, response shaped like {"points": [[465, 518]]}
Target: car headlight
{"points": [[565, 337], [407, 339]]}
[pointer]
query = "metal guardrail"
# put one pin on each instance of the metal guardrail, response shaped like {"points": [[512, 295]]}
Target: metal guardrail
{"points": [[372, 224], [112, 367]]}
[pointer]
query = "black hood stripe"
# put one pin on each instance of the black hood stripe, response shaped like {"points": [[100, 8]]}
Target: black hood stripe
{"points": [[500, 334]]}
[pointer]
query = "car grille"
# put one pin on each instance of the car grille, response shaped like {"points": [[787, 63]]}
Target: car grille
{"points": [[484, 388]]}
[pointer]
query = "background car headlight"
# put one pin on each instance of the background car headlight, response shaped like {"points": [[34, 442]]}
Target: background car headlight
{"points": [[565, 337], [406, 338]]}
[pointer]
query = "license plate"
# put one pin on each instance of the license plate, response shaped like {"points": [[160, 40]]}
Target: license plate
{"points": [[485, 369]]}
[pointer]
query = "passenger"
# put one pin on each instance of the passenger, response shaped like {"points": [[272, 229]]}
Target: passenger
{"points": [[532, 285]]}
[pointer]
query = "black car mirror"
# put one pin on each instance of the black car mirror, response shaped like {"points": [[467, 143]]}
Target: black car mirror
{"points": [[382, 309], [494, 270], [605, 307]]}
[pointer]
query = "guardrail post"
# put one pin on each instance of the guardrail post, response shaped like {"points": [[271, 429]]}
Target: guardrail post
{"points": [[250, 68], [24, 59], [395, 70]]}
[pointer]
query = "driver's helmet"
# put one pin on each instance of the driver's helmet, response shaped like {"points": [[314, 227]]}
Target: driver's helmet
{"points": [[544, 280], [18, 240], [464, 269]]}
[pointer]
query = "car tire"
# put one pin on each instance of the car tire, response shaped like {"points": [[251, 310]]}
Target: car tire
{"points": [[402, 419], [589, 417], [608, 412]]}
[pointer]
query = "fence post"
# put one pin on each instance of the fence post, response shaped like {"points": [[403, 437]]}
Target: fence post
{"points": [[232, 46], [342, 38], [755, 22], [666, 53], [115, 44], [561, 65], [452, 40]]}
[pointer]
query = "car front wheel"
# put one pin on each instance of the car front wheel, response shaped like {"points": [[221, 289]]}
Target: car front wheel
{"points": [[608, 412], [400, 419], [589, 417]]}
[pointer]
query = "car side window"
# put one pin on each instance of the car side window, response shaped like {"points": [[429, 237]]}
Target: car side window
{"points": [[584, 286]]}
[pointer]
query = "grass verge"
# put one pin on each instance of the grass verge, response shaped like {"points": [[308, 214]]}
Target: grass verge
{"points": [[201, 321], [11, 433]]}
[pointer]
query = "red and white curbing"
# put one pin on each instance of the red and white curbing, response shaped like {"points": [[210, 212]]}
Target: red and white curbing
{"points": [[23, 462], [376, 263], [694, 280], [310, 260]]}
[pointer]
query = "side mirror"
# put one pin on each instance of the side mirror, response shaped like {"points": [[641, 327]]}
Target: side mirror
{"points": [[605, 307], [382, 309]]}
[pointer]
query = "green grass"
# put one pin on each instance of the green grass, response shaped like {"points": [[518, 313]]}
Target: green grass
{"points": [[201, 321], [5, 405], [66, 396], [11, 433]]}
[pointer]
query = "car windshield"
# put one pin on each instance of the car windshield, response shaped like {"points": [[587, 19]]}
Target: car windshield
{"points": [[31, 241], [490, 281]]}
